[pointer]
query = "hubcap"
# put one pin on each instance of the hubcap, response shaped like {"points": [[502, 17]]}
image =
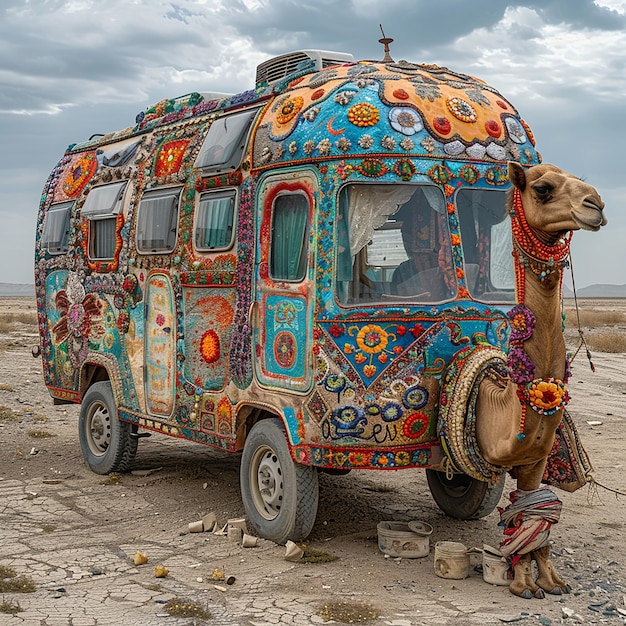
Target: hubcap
{"points": [[99, 429], [266, 482]]}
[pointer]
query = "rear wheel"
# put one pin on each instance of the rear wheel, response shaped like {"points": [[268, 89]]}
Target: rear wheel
{"points": [[462, 496], [107, 443], [280, 497]]}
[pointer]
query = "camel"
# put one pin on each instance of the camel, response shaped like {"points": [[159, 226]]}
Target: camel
{"points": [[546, 204]]}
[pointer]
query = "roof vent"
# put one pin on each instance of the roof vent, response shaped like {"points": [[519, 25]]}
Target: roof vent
{"points": [[279, 67]]}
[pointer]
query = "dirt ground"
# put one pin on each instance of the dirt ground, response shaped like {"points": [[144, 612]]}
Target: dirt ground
{"points": [[175, 483]]}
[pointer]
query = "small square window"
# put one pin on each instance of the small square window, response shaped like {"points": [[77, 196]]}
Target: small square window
{"points": [[157, 221], [56, 228], [102, 239], [215, 220]]}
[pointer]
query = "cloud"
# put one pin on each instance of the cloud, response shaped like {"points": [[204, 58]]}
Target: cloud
{"points": [[70, 68]]}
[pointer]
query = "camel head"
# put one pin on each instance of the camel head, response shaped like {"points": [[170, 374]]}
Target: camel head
{"points": [[555, 201]]}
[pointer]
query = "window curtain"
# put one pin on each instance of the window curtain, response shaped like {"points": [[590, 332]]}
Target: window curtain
{"points": [[157, 227], [288, 237], [370, 206], [104, 238], [216, 227]]}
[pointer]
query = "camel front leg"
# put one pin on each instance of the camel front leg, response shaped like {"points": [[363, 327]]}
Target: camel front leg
{"points": [[523, 584], [548, 579]]}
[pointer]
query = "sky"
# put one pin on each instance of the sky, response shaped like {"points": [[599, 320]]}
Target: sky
{"points": [[72, 68]]}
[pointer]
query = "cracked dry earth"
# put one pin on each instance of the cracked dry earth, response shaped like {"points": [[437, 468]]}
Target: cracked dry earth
{"points": [[74, 533]]}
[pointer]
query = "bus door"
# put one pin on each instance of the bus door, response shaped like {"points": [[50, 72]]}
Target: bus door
{"points": [[284, 285]]}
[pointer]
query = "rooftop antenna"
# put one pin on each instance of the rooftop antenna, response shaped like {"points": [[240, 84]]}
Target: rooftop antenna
{"points": [[386, 41]]}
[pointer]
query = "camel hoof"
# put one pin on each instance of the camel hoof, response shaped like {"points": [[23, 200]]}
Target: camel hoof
{"points": [[540, 594], [526, 594]]}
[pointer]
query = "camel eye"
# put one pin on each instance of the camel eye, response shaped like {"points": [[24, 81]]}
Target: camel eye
{"points": [[543, 191]]}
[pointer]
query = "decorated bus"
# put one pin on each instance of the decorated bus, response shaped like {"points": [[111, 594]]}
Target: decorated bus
{"points": [[297, 273]]}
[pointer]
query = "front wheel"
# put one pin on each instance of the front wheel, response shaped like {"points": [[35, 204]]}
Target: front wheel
{"points": [[106, 442], [462, 496], [280, 497]]}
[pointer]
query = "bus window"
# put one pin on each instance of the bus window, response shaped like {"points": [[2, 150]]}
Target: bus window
{"points": [[487, 244], [56, 228], [288, 244], [157, 220], [102, 206], [214, 226], [393, 244]]}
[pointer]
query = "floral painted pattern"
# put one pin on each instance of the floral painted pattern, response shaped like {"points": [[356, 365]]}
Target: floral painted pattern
{"points": [[79, 313]]}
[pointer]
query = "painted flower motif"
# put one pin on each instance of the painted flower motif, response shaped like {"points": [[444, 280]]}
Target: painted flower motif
{"points": [[415, 397], [407, 144], [369, 370], [160, 319], [324, 147], [289, 109], [547, 395], [383, 459], [387, 142], [392, 412], [336, 330], [363, 114], [461, 109], [372, 339], [402, 458], [417, 330], [415, 425], [428, 143], [522, 321], [366, 142], [405, 120], [344, 144], [360, 358], [210, 346], [358, 459], [347, 417], [293, 148], [308, 147], [348, 348], [78, 312], [372, 410], [335, 383]]}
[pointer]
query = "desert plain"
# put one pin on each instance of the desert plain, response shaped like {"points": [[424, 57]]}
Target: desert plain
{"points": [[69, 536]]}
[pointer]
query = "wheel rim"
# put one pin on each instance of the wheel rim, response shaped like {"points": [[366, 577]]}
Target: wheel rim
{"points": [[458, 486], [98, 429], [266, 482]]}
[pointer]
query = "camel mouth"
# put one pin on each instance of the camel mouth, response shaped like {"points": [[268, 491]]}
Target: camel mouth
{"points": [[591, 217]]}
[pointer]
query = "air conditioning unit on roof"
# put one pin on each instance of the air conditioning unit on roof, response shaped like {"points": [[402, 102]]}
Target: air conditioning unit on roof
{"points": [[278, 67]]}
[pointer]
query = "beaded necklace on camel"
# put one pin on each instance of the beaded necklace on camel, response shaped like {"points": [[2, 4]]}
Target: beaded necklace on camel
{"points": [[546, 396]]}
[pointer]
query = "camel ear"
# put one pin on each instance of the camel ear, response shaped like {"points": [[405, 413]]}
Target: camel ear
{"points": [[517, 176]]}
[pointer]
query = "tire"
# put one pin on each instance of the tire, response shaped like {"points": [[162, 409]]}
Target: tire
{"points": [[106, 442], [279, 496], [462, 496]]}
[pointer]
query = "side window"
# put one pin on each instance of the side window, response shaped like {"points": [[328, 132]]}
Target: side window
{"points": [[487, 244], [157, 221], [102, 206], [56, 228], [225, 141], [215, 220], [288, 247]]}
